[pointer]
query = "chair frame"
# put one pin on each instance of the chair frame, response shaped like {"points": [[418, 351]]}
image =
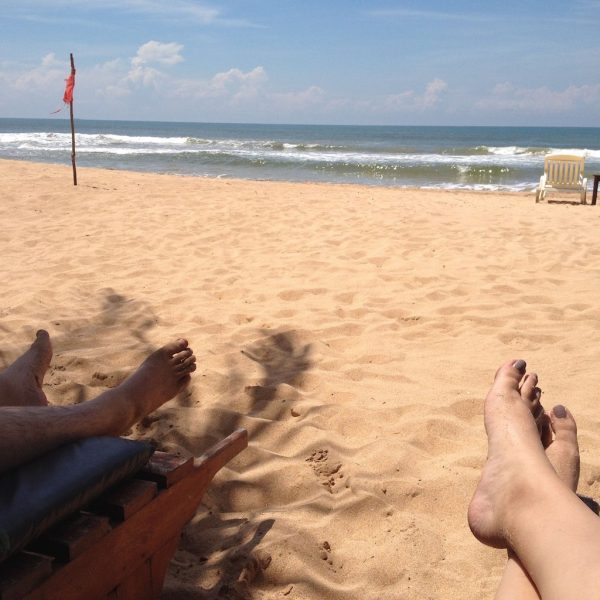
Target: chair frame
{"points": [[129, 557], [563, 173]]}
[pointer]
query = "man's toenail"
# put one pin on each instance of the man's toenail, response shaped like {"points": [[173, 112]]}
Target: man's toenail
{"points": [[560, 411], [520, 365], [538, 393]]}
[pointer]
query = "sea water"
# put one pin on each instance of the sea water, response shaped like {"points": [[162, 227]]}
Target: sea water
{"points": [[479, 158]]}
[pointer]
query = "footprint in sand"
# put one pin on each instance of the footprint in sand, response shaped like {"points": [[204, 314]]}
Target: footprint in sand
{"points": [[325, 553], [108, 380], [327, 472]]}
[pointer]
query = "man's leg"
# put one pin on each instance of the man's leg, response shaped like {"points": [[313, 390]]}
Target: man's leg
{"points": [[521, 503], [21, 382], [30, 431], [562, 450]]}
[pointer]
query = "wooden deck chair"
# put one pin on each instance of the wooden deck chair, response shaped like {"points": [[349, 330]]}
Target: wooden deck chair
{"points": [[117, 546], [562, 173]]}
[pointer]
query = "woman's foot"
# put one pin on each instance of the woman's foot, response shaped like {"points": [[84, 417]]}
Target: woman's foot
{"points": [[516, 463], [21, 383], [563, 450], [558, 433], [559, 436]]}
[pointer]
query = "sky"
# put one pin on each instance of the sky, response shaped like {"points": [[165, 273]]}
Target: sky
{"points": [[419, 62]]}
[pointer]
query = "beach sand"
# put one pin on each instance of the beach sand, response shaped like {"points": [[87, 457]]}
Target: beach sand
{"points": [[353, 331]]}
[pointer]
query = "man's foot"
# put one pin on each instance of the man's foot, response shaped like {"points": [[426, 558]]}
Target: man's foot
{"points": [[164, 374], [513, 418], [21, 382]]}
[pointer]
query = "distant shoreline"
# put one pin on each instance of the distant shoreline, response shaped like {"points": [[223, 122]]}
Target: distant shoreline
{"points": [[94, 171], [459, 158], [65, 119]]}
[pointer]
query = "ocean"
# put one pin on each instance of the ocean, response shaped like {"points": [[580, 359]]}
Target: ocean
{"points": [[478, 158]]}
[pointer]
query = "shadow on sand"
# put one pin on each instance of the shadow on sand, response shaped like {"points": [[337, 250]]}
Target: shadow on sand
{"points": [[218, 557], [227, 548]]}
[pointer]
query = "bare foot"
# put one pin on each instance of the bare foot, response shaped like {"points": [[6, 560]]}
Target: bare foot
{"points": [[21, 382], [558, 432], [513, 418], [562, 449], [559, 437], [164, 374]]}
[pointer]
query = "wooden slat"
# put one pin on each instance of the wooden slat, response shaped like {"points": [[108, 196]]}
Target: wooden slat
{"points": [[166, 469], [124, 500], [117, 555], [72, 537], [21, 573]]}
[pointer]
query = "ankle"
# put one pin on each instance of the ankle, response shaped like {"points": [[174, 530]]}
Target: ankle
{"points": [[110, 413]]}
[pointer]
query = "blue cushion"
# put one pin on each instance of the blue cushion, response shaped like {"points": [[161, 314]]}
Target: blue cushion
{"points": [[38, 494]]}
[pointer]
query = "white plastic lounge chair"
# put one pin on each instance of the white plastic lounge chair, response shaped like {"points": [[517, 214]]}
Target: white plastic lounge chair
{"points": [[562, 173]]}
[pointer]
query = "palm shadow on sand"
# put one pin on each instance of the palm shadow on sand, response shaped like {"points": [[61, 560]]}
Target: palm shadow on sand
{"points": [[231, 562], [222, 551]]}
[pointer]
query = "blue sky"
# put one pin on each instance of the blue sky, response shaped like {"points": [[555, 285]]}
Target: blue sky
{"points": [[463, 62]]}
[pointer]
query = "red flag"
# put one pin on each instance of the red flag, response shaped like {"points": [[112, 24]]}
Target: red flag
{"points": [[68, 97]]}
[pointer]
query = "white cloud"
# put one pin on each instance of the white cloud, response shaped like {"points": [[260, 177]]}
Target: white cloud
{"points": [[173, 8], [192, 11], [300, 100], [233, 85], [411, 100], [428, 14], [106, 79], [400, 101], [152, 52], [145, 76], [50, 61], [49, 73], [239, 86], [508, 97], [147, 86], [236, 78], [157, 52], [433, 91]]}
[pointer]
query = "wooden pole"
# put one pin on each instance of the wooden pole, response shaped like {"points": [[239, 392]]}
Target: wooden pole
{"points": [[73, 129]]}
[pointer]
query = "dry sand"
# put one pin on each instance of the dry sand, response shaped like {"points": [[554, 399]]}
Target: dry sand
{"points": [[352, 330]]}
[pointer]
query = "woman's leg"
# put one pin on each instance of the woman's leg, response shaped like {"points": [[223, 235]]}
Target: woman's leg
{"points": [[520, 502], [562, 450]]}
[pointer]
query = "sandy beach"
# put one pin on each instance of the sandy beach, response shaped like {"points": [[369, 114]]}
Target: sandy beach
{"points": [[353, 331]]}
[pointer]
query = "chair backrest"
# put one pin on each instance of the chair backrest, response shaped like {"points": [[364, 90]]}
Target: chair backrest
{"points": [[564, 170]]}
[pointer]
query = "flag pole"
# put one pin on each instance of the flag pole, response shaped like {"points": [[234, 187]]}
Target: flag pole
{"points": [[73, 127]]}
